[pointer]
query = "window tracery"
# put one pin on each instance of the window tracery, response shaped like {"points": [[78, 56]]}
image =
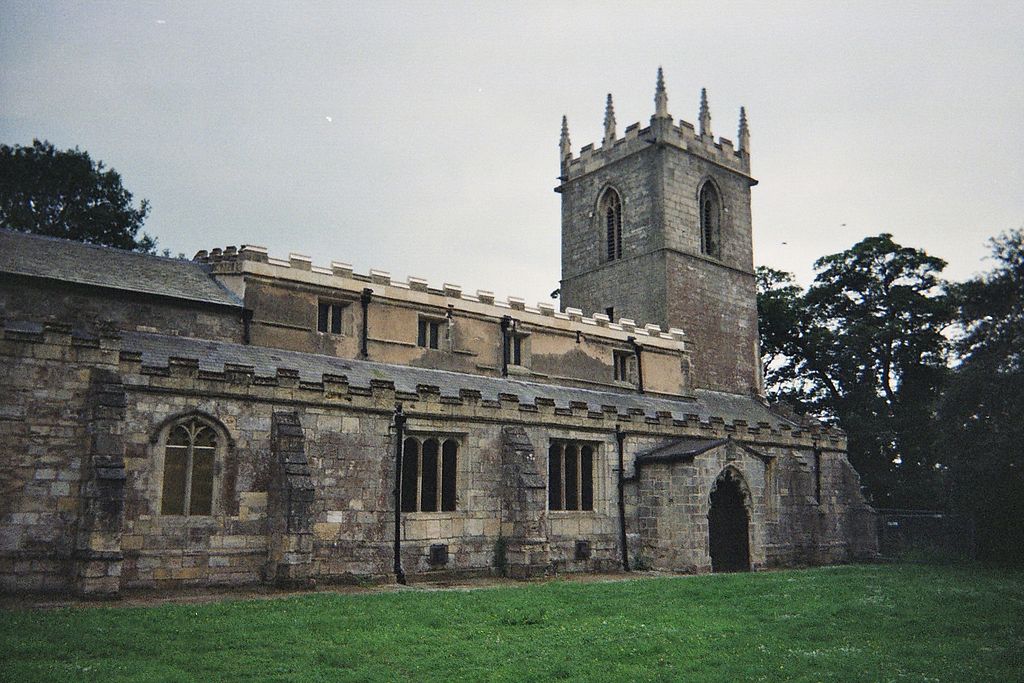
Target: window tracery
{"points": [[610, 212], [190, 452], [710, 207]]}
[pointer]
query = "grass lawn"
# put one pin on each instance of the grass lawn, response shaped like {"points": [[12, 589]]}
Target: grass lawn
{"points": [[865, 623]]}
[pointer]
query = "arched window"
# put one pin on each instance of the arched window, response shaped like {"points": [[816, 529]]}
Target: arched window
{"points": [[610, 213], [710, 206], [190, 451], [428, 474]]}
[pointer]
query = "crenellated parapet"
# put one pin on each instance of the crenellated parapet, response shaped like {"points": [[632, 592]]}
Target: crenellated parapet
{"points": [[164, 365], [299, 267], [662, 130]]}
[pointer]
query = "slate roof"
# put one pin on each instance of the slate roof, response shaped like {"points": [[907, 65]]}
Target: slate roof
{"points": [[89, 264], [685, 448], [156, 349]]}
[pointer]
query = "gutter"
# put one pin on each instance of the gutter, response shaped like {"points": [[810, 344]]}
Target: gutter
{"points": [[620, 438], [364, 300], [506, 322], [399, 439]]}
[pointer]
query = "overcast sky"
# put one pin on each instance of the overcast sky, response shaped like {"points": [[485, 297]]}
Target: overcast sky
{"points": [[422, 138]]}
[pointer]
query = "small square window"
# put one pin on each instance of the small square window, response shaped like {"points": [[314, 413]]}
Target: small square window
{"points": [[328, 317], [429, 333]]}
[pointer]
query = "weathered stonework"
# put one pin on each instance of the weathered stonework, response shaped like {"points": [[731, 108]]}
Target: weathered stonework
{"points": [[289, 504], [242, 419], [101, 521], [663, 276], [341, 528], [524, 529]]}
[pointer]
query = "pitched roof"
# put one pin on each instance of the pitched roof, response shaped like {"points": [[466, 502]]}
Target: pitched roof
{"points": [[156, 349], [90, 264], [685, 448]]}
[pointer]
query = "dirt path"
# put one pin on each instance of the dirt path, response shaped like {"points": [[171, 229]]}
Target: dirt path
{"points": [[189, 596]]}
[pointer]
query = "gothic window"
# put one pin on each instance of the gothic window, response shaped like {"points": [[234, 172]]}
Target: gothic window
{"points": [[428, 474], [710, 206], [570, 476], [189, 454], [610, 213]]}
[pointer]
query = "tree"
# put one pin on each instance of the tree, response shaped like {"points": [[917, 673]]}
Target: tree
{"points": [[980, 416], [864, 347], [66, 194]]}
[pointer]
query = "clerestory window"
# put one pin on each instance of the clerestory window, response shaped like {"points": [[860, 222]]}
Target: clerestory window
{"points": [[328, 317], [429, 333], [610, 213], [621, 360], [570, 476], [429, 474], [514, 348], [190, 452], [710, 206]]}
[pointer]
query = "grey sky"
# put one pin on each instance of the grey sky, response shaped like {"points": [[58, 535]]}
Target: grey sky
{"points": [[422, 138]]}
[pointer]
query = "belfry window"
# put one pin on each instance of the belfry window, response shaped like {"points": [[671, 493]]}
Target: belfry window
{"points": [[710, 206], [189, 454], [570, 476], [610, 213], [428, 474]]}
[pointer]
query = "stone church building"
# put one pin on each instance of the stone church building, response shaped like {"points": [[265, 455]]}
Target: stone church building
{"points": [[243, 419]]}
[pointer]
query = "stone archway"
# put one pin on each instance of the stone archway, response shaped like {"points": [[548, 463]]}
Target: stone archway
{"points": [[729, 524]]}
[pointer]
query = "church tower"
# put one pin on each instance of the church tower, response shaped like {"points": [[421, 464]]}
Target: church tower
{"points": [[656, 227]]}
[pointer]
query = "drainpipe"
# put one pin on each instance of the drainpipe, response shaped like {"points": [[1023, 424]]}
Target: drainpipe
{"points": [[399, 439], [364, 299], [506, 321], [620, 437], [450, 317], [637, 349], [246, 325]]}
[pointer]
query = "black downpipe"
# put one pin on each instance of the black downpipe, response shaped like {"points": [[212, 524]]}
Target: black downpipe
{"points": [[399, 443], [246, 325], [364, 299], [620, 437], [637, 350], [506, 321]]}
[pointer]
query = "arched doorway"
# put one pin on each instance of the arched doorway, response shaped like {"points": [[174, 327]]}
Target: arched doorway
{"points": [[729, 524]]}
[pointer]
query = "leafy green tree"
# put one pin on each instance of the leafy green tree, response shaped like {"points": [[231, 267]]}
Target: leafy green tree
{"points": [[981, 416], [66, 194], [864, 347]]}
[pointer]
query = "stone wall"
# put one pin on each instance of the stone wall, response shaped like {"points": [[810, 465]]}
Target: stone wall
{"points": [[663, 276], [85, 308], [303, 477], [559, 348], [719, 310], [44, 448]]}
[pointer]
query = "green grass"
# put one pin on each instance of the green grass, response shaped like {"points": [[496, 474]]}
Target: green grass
{"points": [[866, 623]]}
